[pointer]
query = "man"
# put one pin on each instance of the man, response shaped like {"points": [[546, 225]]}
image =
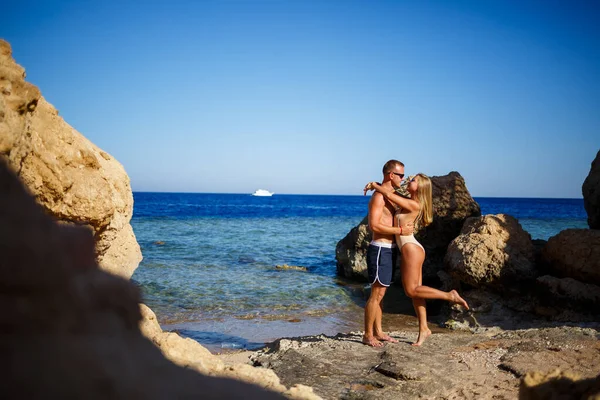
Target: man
{"points": [[382, 252]]}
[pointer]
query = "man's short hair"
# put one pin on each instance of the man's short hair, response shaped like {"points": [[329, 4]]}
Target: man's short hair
{"points": [[391, 165]]}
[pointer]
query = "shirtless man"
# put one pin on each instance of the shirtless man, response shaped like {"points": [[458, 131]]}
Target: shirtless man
{"points": [[382, 252]]}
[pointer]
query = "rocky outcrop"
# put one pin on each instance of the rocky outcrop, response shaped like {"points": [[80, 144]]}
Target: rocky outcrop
{"points": [[558, 384], [591, 194], [69, 329], [190, 354], [569, 293], [351, 252], [448, 366], [574, 253], [71, 178], [452, 205], [493, 251]]}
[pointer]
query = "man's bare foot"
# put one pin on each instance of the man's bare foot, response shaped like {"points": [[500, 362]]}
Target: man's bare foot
{"points": [[422, 336], [456, 299], [386, 338], [371, 341]]}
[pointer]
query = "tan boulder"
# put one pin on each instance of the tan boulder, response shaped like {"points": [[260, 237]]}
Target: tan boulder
{"points": [[351, 252], [492, 250], [191, 354], [569, 293], [452, 205], [69, 176], [591, 194], [574, 253], [557, 384]]}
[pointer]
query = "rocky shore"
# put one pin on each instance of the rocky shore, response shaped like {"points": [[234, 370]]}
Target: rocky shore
{"points": [[487, 365], [74, 327], [534, 317]]}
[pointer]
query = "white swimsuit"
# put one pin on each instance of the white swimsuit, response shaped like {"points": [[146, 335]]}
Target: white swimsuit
{"points": [[402, 240]]}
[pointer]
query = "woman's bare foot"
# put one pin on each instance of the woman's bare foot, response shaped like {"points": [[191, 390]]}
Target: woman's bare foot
{"points": [[371, 341], [422, 336], [386, 338], [456, 299]]}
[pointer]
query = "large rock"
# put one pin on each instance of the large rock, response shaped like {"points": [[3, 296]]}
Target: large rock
{"points": [[351, 252], [558, 384], [69, 329], [492, 250], [574, 253], [591, 194], [190, 354], [70, 177], [452, 205], [569, 293]]}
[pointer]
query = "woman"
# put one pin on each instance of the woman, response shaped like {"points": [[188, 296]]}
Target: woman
{"points": [[419, 210]]}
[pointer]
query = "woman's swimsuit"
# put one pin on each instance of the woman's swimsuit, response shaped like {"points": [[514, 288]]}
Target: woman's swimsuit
{"points": [[402, 240]]}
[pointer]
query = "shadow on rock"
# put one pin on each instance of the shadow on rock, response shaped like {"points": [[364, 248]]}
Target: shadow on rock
{"points": [[70, 330]]}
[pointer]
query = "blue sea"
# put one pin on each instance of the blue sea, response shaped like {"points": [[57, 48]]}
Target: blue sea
{"points": [[210, 261]]}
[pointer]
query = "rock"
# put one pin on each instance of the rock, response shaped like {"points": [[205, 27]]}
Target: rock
{"points": [[70, 329], [452, 205], [450, 366], [558, 384], [351, 252], [182, 351], [567, 293], [591, 194], [574, 253], [188, 353], [291, 267], [545, 354], [492, 251], [70, 177], [538, 246]]}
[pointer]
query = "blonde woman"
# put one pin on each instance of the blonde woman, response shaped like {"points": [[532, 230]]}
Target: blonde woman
{"points": [[418, 210]]}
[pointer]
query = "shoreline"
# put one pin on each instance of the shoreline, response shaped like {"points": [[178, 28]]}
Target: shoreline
{"points": [[239, 334]]}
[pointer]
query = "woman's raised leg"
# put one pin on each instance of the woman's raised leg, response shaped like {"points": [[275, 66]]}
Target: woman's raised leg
{"points": [[412, 262]]}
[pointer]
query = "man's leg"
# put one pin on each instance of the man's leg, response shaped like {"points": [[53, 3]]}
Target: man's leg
{"points": [[372, 313], [378, 329]]}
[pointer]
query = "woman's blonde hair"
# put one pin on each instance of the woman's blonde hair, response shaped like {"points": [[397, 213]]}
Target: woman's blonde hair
{"points": [[425, 216]]}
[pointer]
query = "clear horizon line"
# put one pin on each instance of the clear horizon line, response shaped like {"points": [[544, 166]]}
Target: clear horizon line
{"points": [[360, 195]]}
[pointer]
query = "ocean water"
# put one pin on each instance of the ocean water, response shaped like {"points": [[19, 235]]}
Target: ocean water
{"points": [[210, 261]]}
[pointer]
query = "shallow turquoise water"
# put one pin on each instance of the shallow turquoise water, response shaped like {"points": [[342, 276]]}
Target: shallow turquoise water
{"points": [[211, 268]]}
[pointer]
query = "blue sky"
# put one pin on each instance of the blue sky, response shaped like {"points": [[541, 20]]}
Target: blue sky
{"points": [[314, 96]]}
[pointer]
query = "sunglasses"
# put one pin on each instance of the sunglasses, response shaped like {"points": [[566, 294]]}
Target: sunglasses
{"points": [[399, 175]]}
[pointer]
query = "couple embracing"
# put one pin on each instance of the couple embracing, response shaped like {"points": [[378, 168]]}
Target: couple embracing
{"points": [[392, 220]]}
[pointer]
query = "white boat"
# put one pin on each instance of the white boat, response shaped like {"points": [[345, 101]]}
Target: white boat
{"points": [[262, 193]]}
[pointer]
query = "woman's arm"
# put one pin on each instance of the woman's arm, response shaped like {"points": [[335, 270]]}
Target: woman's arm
{"points": [[376, 206], [405, 203]]}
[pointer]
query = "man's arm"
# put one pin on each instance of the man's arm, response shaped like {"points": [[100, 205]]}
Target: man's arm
{"points": [[375, 211]]}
